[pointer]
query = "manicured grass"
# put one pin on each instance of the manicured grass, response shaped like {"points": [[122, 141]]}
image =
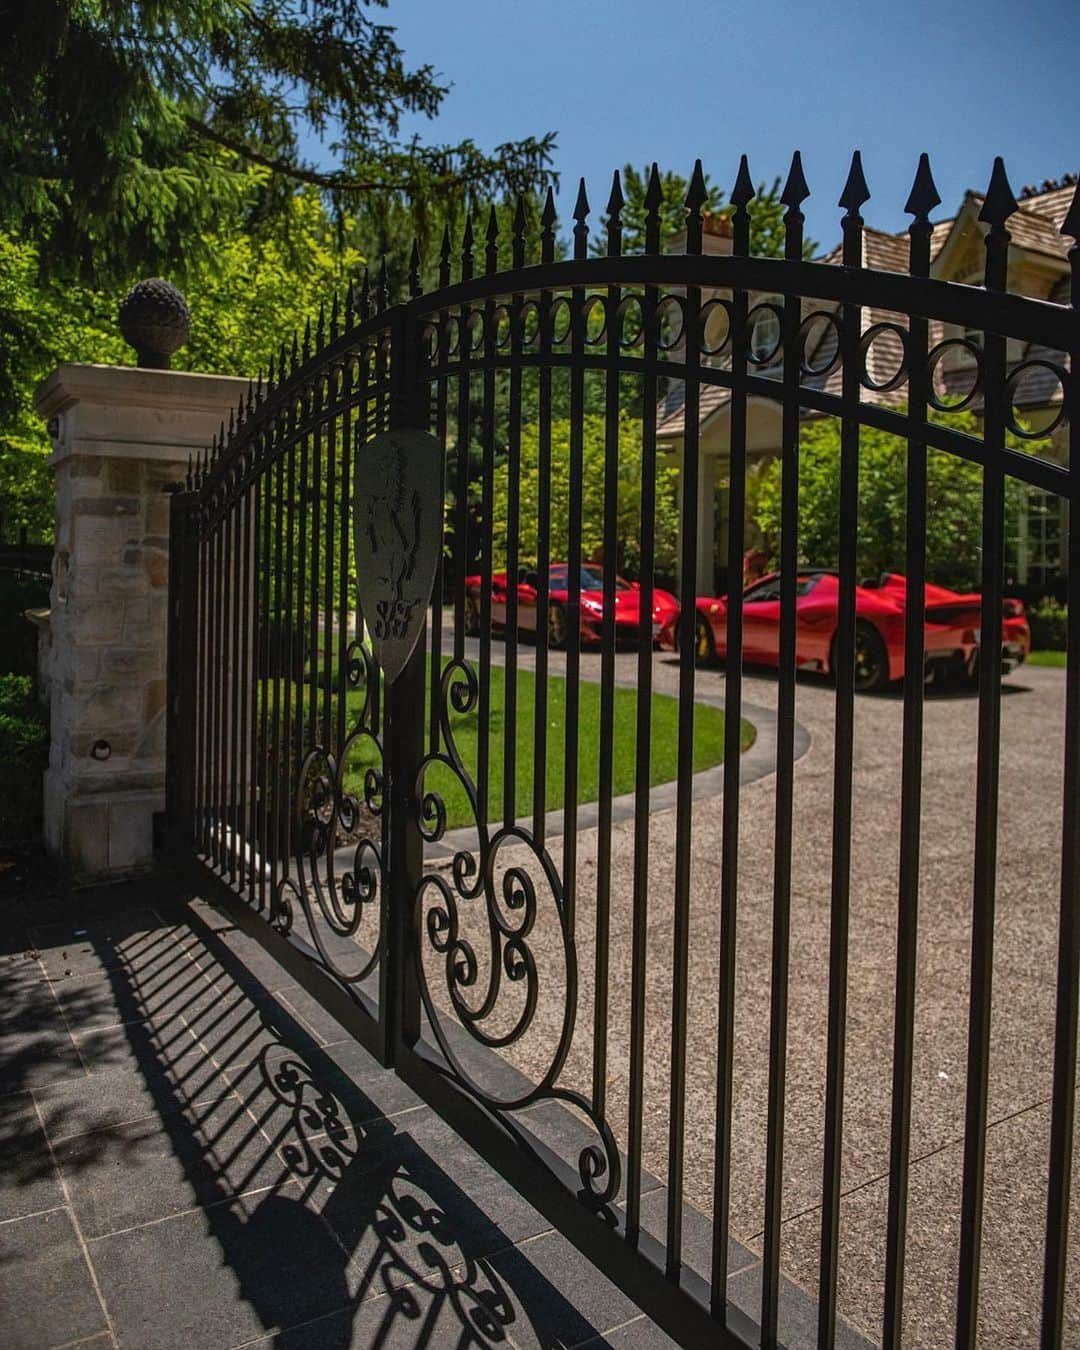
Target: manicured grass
{"points": [[1046, 659], [708, 745]]}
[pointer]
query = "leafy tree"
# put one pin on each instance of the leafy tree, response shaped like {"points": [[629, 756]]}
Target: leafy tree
{"points": [[251, 294], [592, 488], [128, 128], [954, 504], [766, 213]]}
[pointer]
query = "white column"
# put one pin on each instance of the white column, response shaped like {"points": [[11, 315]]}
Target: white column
{"points": [[120, 435]]}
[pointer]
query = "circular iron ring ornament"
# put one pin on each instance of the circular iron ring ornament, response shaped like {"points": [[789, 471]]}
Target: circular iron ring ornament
{"points": [[1013, 379], [667, 304], [770, 355], [397, 531], [867, 341], [715, 306], [806, 329], [934, 360], [630, 316]]}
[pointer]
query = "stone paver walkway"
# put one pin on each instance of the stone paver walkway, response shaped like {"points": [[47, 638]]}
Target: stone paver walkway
{"points": [[194, 1154]]}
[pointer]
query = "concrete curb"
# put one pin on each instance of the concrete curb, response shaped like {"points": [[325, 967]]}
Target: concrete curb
{"points": [[757, 762]]}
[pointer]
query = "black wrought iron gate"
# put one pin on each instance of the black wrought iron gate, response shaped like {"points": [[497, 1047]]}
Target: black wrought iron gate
{"points": [[398, 794]]}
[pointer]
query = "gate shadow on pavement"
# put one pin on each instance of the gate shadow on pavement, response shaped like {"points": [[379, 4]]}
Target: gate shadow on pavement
{"points": [[232, 1180]]}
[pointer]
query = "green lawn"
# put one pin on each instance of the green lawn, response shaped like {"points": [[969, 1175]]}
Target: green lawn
{"points": [[708, 745], [1046, 659]]}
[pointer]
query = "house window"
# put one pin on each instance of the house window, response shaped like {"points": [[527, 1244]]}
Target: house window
{"points": [[1036, 538], [765, 330]]}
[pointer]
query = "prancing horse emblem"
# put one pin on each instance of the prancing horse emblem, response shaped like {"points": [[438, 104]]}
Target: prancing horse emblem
{"points": [[397, 531]]}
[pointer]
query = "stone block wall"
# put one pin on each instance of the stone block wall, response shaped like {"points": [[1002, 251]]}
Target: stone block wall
{"points": [[121, 436]]}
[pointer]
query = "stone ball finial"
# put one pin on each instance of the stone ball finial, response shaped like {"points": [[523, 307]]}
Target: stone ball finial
{"points": [[155, 320]]}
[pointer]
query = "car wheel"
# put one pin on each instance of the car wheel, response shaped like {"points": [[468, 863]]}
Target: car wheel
{"points": [[472, 616], [558, 629], [704, 643], [871, 659]]}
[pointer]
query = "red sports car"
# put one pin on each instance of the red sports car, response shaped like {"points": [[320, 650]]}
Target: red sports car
{"points": [[627, 608], [953, 635]]}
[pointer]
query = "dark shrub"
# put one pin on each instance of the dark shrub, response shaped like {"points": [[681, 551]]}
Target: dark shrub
{"points": [[24, 754], [18, 637], [1049, 621]]}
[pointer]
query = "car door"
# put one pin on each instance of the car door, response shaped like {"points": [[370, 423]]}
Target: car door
{"points": [[761, 621]]}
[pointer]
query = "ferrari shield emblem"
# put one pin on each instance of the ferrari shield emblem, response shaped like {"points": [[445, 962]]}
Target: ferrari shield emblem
{"points": [[397, 525]]}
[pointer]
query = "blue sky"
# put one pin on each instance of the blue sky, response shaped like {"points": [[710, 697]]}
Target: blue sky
{"points": [[626, 80]]}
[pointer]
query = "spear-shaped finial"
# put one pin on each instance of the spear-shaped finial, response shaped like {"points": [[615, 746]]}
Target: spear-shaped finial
{"points": [[320, 327], [654, 200], [365, 295], [615, 204], [335, 314], [581, 222], [350, 303], [384, 286], [924, 195], [445, 252], [521, 224], [548, 219], [491, 241], [306, 347], [998, 205], [794, 194], [294, 355], [742, 194], [467, 247], [416, 286], [697, 194], [855, 193], [260, 392]]}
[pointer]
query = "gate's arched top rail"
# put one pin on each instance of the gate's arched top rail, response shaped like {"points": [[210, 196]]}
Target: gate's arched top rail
{"points": [[358, 327]]}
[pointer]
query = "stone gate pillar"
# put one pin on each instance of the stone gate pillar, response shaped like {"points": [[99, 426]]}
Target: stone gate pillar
{"points": [[120, 435]]}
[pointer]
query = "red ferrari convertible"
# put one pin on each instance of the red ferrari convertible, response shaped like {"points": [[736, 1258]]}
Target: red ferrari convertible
{"points": [[627, 608], [953, 634]]}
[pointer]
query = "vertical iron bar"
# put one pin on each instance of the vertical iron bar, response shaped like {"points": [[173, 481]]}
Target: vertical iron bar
{"points": [[268, 677], [920, 203], [487, 500], [643, 747], [853, 197], [794, 194], [461, 523], [293, 584], [573, 579], [202, 663], [1068, 972], [986, 787], [442, 389], [248, 631], [344, 536], [316, 561], [691, 466], [543, 535], [607, 659], [399, 990], [180, 685], [742, 194], [235, 509], [513, 526], [330, 660]]}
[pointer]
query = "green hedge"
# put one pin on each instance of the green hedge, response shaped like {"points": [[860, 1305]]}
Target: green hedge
{"points": [[1049, 621], [24, 755]]}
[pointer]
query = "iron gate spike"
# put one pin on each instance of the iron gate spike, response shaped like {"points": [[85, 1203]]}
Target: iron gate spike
{"points": [[855, 192], [924, 195]]}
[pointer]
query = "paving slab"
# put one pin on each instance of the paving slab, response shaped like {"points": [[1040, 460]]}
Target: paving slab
{"points": [[47, 1296]]}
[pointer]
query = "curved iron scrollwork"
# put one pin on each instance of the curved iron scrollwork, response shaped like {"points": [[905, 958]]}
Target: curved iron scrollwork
{"points": [[331, 821], [508, 902]]}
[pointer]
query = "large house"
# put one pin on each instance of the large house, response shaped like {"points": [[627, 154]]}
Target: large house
{"points": [[1038, 267]]}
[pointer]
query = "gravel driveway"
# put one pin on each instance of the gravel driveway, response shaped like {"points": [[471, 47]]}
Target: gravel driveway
{"points": [[1023, 996]]}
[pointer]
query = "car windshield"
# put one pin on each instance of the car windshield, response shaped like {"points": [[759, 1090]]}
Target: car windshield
{"points": [[592, 579], [769, 589]]}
